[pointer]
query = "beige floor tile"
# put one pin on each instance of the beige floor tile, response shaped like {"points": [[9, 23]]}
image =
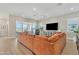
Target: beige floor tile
{"points": [[10, 46]]}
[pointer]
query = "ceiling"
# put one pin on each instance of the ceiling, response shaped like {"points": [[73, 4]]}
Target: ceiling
{"points": [[38, 11]]}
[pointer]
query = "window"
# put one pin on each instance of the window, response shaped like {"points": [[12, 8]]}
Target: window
{"points": [[24, 26], [73, 24], [33, 27], [19, 27]]}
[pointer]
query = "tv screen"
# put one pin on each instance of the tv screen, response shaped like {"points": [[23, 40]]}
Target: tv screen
{"points": [[52, 26]]}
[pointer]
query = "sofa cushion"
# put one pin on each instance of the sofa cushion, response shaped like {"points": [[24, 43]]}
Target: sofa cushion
{"points": [[39, 37], [53, 38]]}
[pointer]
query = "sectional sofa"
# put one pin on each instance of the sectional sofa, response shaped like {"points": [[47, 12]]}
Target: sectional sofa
{"points": [[44, 45]]}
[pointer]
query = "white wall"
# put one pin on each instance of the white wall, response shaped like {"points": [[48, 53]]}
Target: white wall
{"points": [[62, 23], [3, 27]]}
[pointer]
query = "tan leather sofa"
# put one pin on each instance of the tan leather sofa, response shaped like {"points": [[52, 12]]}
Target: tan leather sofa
{"points": [[43, 45]]}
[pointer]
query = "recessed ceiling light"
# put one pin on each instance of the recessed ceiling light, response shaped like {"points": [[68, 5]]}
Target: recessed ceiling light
{"points": [[34, 9], [71, 9]]}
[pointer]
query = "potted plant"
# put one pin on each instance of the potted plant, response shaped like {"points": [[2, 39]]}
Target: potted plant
{"points": [[37, 31], [76, 30]]}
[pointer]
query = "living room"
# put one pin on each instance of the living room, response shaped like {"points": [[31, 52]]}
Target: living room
{"points": [[19, 23]]}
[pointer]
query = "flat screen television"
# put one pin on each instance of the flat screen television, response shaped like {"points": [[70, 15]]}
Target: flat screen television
{"points": [[52, 26]]}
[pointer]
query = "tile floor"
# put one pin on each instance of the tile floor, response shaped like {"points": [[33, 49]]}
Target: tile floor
{"points": [[10, 46]]}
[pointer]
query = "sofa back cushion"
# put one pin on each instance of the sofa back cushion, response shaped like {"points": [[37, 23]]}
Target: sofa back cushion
{"points": [[55, 37], [39, 37]]}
